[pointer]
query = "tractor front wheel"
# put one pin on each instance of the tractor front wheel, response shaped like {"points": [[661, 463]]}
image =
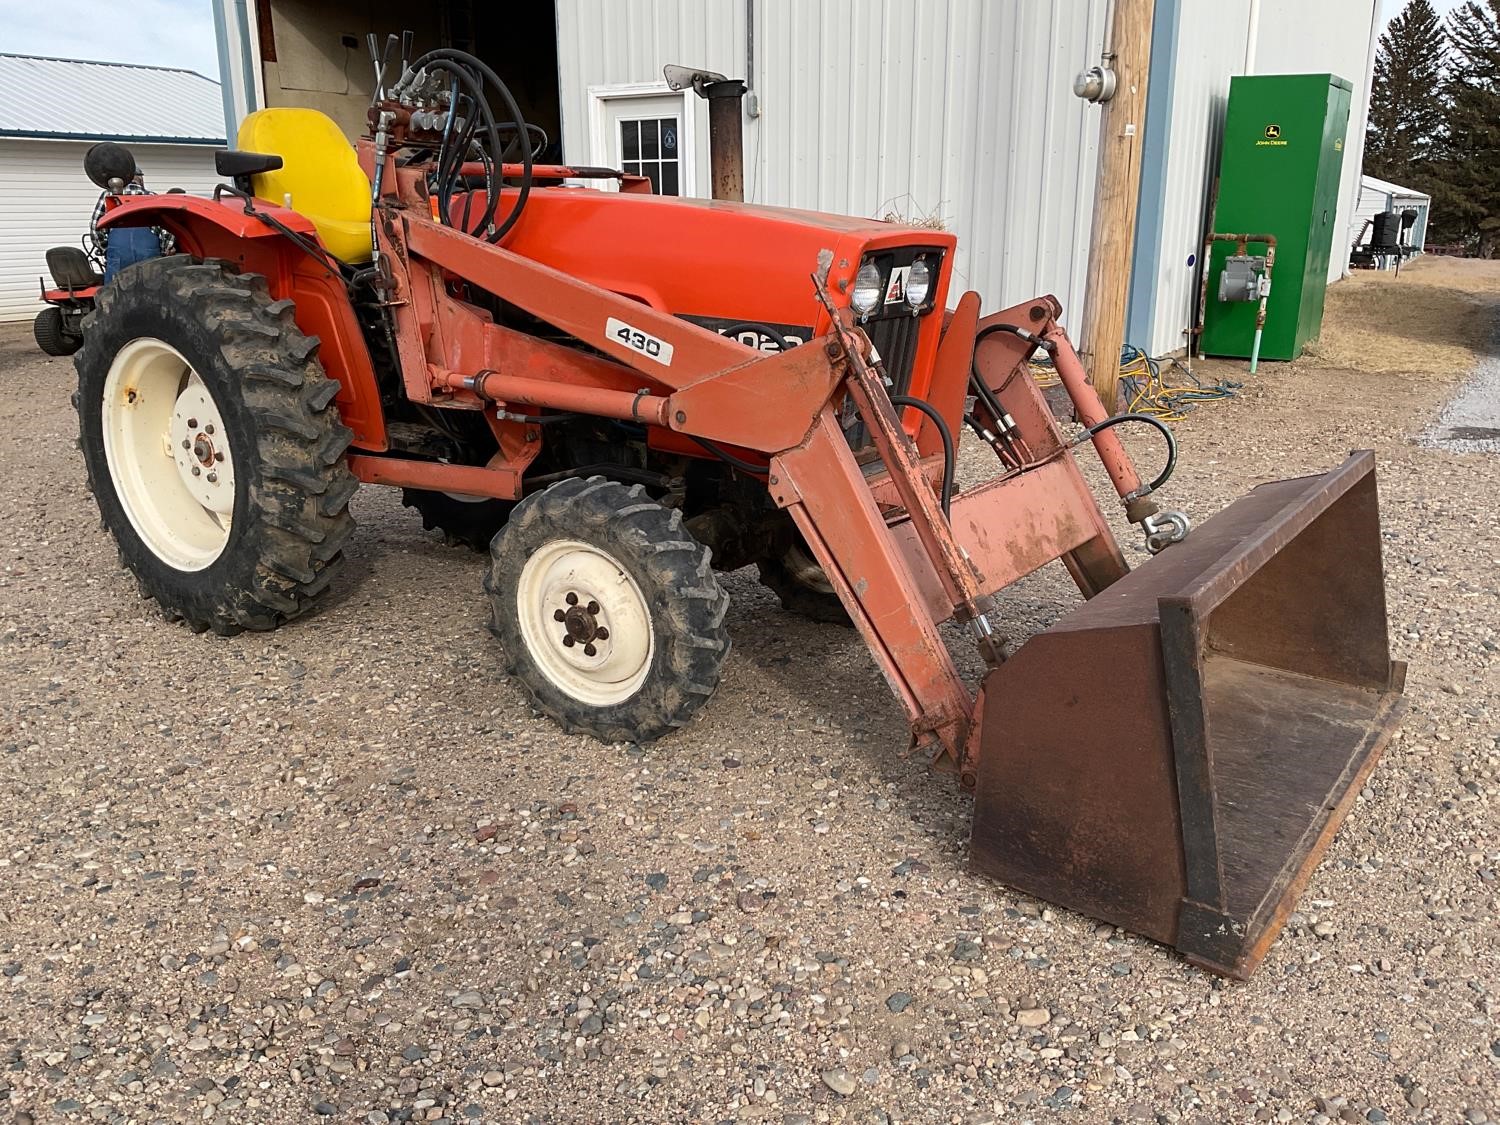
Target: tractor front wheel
{"points": [[465, 521], [609, 611], [794, 576], [212, 444]]}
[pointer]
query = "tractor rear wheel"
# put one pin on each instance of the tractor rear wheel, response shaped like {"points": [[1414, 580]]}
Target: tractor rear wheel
{"points": [[795, 577], [609, 611], [465, 521], [51, 333], [212, 444]]}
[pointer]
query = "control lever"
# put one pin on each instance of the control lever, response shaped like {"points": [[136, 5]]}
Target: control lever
{"points": [[379, 59]]}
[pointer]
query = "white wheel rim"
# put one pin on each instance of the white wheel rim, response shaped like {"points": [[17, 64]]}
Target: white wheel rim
{"points": [[168, 454], [585, 622]]}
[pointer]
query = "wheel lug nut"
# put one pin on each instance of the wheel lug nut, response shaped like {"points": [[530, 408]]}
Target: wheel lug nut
{"points": [[593, 607], [208, 429], [186, 444], [568, 641], [601, 634], [197, 471], [213, 478], [559, 615], [572, 599], [590, 650], [192, 423], [218, 456]]}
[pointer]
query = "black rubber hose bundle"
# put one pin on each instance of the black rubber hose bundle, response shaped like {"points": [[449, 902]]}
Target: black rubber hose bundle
{"points": [[473, 73]]}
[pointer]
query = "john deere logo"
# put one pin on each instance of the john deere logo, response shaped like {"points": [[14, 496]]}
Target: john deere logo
{"points": [[1272, 138]]}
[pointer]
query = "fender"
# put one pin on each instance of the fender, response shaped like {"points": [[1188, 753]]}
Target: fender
{"points": [[223, 228]]}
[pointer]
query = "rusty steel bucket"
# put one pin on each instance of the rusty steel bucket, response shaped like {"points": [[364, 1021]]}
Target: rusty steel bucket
{"points": [[1176, 754]]}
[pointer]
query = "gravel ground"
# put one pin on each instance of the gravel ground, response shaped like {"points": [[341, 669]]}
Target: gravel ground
{"points": [[340, 873]]}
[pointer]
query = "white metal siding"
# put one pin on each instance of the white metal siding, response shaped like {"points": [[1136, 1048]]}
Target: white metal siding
{"points": [[1211, 47], [46, 201], [959, 109]]}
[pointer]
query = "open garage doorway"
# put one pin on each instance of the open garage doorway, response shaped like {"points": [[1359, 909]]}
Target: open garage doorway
{"points": [[313, 52]]}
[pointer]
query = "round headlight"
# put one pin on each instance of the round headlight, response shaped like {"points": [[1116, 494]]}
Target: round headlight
{"points": [[867, 286], [918, 283]]}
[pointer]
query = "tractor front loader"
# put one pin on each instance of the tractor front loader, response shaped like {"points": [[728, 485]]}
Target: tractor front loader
{"points": [[618, 392]]}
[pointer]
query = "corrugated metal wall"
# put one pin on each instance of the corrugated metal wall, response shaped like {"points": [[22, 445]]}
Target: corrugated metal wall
{"points": [[963, 110], [958, 109], [46, 201], [1209, 47]]}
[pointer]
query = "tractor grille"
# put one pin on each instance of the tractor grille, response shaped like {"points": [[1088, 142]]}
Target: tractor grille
{"points": [[895, 338]]}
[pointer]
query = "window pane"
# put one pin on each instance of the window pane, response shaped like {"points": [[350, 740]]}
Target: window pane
{"points": [[650, 138], [669, 177], [630, 139], [631, 167], [669, 136], [653, 170]]}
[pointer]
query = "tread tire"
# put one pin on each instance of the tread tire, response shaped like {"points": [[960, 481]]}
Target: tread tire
{"points": [[291, 517], [464, 523], [778, 573], [50, 335], [674, 573]]}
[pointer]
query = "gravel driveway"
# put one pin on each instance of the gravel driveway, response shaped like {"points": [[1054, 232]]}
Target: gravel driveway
{"points": [[339, 873]]}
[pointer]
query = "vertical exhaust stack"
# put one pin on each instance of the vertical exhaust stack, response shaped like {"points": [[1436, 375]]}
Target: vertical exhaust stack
{"points": [[726, 129], [1253, 693]]}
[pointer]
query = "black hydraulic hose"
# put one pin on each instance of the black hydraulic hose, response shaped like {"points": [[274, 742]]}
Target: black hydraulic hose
{"points": [[1149, 420], [448, 54], [730, 459], [482, 113], [949, 457]]}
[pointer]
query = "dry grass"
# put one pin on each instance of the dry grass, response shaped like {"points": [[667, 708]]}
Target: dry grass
{"points": [[1428, 321]]}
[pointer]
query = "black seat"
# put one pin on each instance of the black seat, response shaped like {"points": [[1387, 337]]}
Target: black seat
{"points": [[234, 163], [71, 269]]}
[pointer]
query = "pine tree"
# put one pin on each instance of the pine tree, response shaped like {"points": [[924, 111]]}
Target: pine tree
{"points": [[1468, 171], [1406, 97]]}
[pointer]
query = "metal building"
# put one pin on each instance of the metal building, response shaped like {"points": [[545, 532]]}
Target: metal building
{"points": [[1377, 195], [51, 111], [959, 112]]}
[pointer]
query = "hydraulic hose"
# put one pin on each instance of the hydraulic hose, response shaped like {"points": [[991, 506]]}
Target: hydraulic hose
{"points": [[1150, 420], [469, 66], [949, 457], [730, 459]]}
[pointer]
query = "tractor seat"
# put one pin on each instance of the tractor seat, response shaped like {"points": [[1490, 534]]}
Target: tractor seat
{"points": [[71, 269], [318, 170]]}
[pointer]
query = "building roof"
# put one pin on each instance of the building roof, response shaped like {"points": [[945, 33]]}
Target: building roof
{"points": [[1385, 187], [71, 99]]}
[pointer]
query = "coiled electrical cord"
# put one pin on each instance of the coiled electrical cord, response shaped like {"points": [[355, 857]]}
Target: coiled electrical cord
{"points": [[949, 455]]}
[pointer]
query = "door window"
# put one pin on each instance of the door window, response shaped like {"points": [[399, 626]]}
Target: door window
{"points": [[649, 147]]}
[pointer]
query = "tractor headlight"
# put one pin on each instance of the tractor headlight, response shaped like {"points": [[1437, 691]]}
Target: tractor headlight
{"points": [[918, 283], [867, 288]]}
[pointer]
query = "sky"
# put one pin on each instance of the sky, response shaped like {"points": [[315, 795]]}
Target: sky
{"points": [[176, 33]]}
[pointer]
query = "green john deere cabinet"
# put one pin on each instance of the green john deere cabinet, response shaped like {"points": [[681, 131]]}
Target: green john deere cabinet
{"points": [[1279, 170]]}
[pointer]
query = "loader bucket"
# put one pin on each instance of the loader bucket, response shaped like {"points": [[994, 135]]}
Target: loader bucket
{"points": [[1176, 754]]}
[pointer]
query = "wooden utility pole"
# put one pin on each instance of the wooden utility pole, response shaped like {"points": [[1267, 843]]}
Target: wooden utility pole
{"points": [[1116, 194]]}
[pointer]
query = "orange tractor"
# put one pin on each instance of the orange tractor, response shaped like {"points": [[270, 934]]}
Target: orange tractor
{"points": [[619, 393]]}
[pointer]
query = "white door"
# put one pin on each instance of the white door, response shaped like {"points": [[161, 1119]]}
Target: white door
{"points": [[646, 134]]}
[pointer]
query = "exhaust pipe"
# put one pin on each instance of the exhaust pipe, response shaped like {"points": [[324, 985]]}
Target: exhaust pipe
{"points": [[726, 130]]}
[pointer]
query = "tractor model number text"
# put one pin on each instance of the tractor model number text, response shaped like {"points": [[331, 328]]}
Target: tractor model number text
{"points": [[636, 340]]}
